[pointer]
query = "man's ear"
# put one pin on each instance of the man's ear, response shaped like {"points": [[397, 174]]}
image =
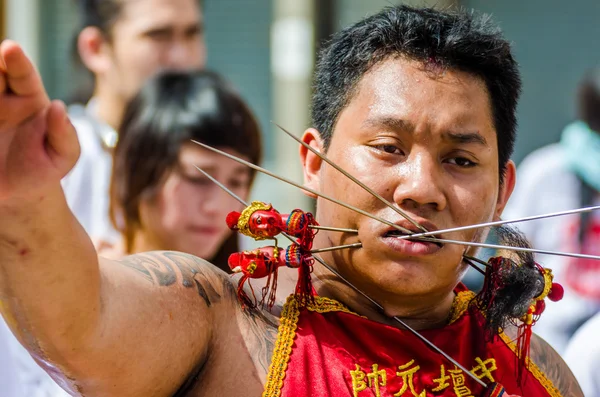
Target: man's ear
{"points": [[311, 163], [93, 50], [506, 188]]}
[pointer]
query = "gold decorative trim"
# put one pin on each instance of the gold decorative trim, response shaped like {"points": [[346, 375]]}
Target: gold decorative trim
{"points": [[548, 278], [461, 303], [533, 368], [325, 305], [283, 348]]}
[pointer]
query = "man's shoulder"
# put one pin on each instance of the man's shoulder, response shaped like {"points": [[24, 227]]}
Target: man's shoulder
{"points": [[550, 364], [554, 367]]}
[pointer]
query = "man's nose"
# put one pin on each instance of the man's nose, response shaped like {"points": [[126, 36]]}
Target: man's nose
{"points": [[420, 183], [180, 55]]}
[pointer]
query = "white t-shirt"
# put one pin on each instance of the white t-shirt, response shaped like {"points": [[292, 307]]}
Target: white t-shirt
{"points": [[583, 357], [20, 376], [87, 184], [544, 185]]}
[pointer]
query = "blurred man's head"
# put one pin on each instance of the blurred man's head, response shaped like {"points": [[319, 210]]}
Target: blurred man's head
{"points": [[124, 42], [588, 100]]}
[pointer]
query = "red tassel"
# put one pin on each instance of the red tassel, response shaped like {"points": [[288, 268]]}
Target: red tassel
{"points": [[492, 283], [524, 332], [243, 297], [270, 290], [304, 290]]}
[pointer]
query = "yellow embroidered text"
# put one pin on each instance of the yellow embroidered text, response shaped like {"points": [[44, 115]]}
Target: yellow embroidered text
{"points": [[407, 375], [458, 381], [484, 369], [376, 380], [442, 381]]}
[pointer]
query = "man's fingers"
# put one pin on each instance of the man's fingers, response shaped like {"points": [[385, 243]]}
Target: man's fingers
{"points": [[62, 138], [2, 82], [21, 76]]}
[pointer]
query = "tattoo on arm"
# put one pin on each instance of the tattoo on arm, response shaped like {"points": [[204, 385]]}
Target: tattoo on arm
{"points": [[263, 330], [551, 364], [168, 268]]}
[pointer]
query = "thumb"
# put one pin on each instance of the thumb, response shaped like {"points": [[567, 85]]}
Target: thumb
{"points": [[62, 143]]}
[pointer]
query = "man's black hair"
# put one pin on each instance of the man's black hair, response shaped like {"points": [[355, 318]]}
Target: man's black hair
{"points": [[458, 40], [588, 99]]}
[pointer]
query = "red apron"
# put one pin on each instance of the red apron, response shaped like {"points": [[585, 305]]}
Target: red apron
{"points": [[325, 350]]}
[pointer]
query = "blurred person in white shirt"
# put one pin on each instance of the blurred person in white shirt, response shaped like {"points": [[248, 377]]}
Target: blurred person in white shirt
{"points": [[583, 356], [557, 177], [122, 43]]}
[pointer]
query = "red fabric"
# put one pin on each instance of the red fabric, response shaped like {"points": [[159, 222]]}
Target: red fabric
{"points": [[328, 346], [581, 274]]}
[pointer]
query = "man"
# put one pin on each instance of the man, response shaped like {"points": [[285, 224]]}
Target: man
{"points": [[569, 173], [431, 136], [122, 43]]}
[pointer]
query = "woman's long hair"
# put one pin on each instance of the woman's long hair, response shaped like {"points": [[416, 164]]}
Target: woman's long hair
{"points": [[171, 109]]}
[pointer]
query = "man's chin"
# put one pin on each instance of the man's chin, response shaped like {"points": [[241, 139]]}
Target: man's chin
{"points": [[397, 278]]}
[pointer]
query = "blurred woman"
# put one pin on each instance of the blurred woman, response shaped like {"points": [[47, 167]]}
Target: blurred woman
{"points": [[159, 200]]}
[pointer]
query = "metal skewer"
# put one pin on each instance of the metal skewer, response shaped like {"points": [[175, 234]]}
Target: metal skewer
{"points": [[401, 322], [281, 178], [409, 236], [503, 222], [506, 247], [335, 248], [331, 269], [333, 229]]}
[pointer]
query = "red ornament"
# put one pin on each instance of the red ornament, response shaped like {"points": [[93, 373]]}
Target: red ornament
{"points": [[232, 220], [540, 306], [556, 292]]}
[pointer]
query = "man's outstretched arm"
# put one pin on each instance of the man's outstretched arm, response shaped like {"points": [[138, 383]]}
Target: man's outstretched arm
{"points": [[134, 327]]}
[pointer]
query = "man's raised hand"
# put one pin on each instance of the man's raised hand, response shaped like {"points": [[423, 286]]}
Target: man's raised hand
{"points": [[38, 144]]}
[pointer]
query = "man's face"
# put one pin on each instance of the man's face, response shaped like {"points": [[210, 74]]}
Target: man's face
{"points": [[152, 35], [425, 142]]}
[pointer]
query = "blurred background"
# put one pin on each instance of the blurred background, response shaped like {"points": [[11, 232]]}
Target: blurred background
{"points": [[267, 49]]}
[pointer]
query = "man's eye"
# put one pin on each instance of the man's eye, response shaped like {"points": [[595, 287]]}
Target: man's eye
{"points": [[391, 149], [159, 35], [462, 162]]}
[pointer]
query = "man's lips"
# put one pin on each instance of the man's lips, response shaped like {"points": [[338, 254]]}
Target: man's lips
{"points": [[393, 232], [411, 247]]}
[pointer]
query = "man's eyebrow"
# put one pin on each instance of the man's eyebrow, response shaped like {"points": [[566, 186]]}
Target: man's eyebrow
{"points": [[400, 124], [388, 121], [159, 29], [466, 137]]}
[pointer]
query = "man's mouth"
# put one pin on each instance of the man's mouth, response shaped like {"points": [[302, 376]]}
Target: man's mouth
{"points": [[398, 233]]}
